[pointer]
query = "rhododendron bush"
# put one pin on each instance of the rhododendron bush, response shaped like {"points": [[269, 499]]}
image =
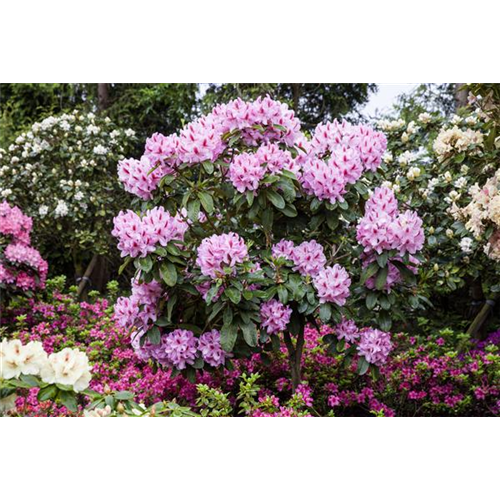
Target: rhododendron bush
{"points": [[59, 173], [244, 230], [445, 167], [21, 266]]}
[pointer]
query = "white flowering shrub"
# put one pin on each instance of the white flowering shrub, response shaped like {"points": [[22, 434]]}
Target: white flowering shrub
{"points": [[436, 165], [62, 174], [60, 375]]}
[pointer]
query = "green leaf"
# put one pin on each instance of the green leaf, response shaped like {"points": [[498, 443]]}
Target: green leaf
{"points": [[154, 335], [290, 211], [47, 393], [233, 294], [68, 399], [169, 273], [368, 272], [228, 336], [193, 210], [227, 318], [267, 219], [371, 300], [124, 265], [207, 201], [124, 395], [211, 294], [382, 259], [249, 333], [325, 313], [146, 264], [209, 167], [381, 278], [276, 199], [363, 366]]}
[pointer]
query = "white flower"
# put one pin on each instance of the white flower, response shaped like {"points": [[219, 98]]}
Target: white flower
{"points": [[68, 367], [65, 125], [129, 132], [387, 157], [413, 173], [406, 158], [6, 192], [16, 359], [100, 150], [43, 210], [455, 119], [405, 137], [464, 169], [460, 183], [14, 160], [98, 412], [449, 233], [412, 128], [471, 120], [79, 196], [466, 245], [114, 133], [447, 176], [424, 117], [93, 129], [61, 209]]}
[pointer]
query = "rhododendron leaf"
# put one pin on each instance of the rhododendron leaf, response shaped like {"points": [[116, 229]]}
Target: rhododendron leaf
{"points": [[290, 211], [385, 320], [207, 201], [340, 345], [47, 393], [283, 294], [169, 273], [267, 219], [233, 295], [369, 272], [31, 380], [228, 316], [124, 265], [371, 300], [124, 395], [382, 259], [363, 366], [146, 264], [381, 279], [275, 343], [228, 336], [289, 174], [211, 294], [249, 333], [315, 204], [276, 199], [154, 335], [68, 399], [209, 167], [193, 210], [250, 195], [325, 313], [198, 363]]}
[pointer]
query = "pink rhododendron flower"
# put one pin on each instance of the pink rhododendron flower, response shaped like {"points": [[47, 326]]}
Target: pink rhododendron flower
{"points": [[284, 248], [245, 172], [274, 316], [180, 348], [220, 251], [323, 180], [347, 330], [375, 345], [332, 285], [210, 348], [309, 258], [408, 233]]}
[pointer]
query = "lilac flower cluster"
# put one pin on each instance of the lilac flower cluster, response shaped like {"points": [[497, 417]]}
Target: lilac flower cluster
{"points": [[308, 257], [220, 251], [138, 236], [274, 316], [347, 330]]}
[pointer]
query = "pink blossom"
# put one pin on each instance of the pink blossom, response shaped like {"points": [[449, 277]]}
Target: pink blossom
{"points": [[347, 330], [220, 251], [180, 348], [210, 348], [323, 180], [284, 248], [375, 345], [274, 316], [246, 172], [140, 177], [309, 258], [332, 285], [408, 232]]}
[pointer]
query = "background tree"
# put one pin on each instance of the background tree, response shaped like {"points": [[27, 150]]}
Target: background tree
{"points": [[313, 102]]}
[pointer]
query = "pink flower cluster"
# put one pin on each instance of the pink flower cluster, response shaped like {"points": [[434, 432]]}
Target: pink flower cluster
{"points": [[337, 155], [21, 265], [274, 316], [137, 237], [375, 345], [210, 348], [347, 330], [181, 348], [332, 285], [139, 310], [140, 177], [203, 140], [246, 172], [220, 251], [308, 257], [384, 228]]}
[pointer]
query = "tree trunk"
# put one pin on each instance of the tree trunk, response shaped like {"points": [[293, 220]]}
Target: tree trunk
{"points": [[296, 96], [102, 96], [461, 95], [86, 277], [295, 357]]}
